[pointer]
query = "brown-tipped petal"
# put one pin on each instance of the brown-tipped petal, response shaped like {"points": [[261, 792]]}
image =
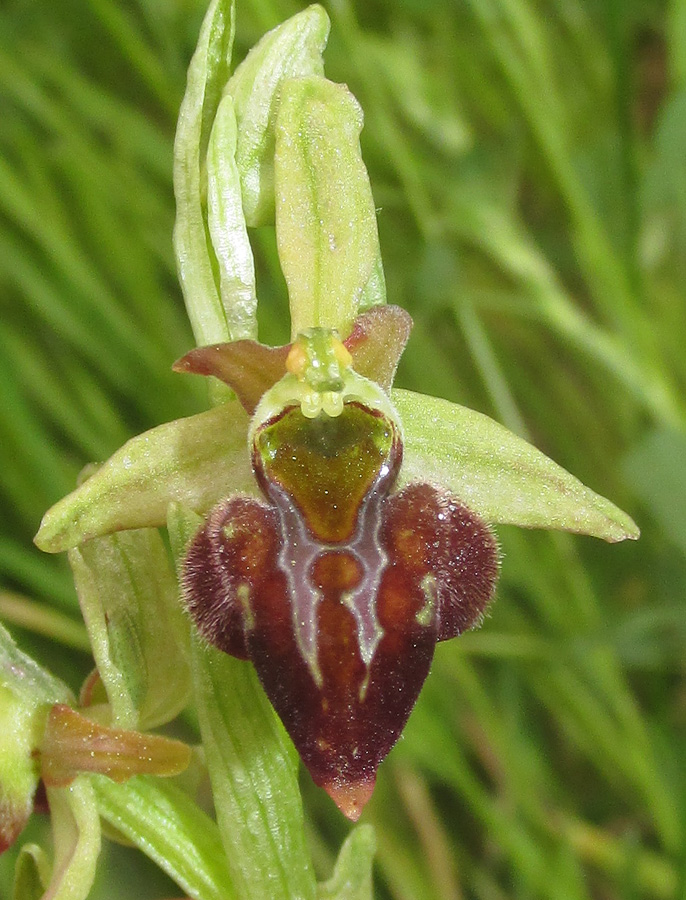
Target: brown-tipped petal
{"points": [[74, 744], [248, 367], [351, 797], [377, 341]]}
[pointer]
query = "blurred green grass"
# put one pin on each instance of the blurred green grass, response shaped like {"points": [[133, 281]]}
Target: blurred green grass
{"points": [[529, 164]]}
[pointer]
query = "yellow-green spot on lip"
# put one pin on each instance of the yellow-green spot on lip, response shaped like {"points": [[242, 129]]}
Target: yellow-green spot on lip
{"points": [[328, 465]]}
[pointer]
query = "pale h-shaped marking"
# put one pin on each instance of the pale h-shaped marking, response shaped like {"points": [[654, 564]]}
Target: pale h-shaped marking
{"points": [[300, 551]]}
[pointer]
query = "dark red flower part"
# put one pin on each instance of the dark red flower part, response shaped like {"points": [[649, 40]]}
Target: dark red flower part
{"points": [[376, 342], [336, 589]]}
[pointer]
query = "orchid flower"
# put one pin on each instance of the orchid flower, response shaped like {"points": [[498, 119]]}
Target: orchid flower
{"points": [[346, 525], [327, 528]]}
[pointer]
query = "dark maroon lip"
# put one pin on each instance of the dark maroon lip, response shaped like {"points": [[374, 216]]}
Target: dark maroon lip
{"points": [[338, 609]]}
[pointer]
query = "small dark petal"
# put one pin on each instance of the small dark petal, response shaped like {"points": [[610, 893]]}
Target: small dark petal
{"points": [[246, 366], [376, 344], [237, 544], [377, 341]]}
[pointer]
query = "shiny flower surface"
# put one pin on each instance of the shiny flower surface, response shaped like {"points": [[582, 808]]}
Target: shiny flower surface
{"points": [[335, 587]]}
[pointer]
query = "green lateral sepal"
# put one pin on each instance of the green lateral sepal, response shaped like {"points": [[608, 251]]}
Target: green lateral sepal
{"points": [[502, 478]]}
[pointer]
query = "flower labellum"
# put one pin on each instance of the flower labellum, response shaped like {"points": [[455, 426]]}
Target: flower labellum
{"points": [[334, 587]]}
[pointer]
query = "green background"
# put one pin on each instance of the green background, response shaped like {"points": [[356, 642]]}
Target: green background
{"points": [[528, 161]]}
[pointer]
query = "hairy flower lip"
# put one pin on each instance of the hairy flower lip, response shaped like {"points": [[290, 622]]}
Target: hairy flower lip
{"points": [[335, 588]]}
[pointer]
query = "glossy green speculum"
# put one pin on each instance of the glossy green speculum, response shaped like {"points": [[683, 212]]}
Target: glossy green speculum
{"points": [[321, 380], [327, 465]]}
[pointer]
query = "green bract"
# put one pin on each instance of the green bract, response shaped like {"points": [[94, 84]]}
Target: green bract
{"points": [[31, 873], [129, 600], [76, 829], [188, 848], [352, 877]]}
